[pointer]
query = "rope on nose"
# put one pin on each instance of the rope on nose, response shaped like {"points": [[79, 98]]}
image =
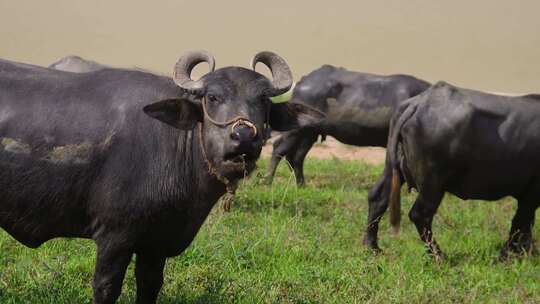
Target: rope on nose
{"points": [[236, 120], [230, 186]]}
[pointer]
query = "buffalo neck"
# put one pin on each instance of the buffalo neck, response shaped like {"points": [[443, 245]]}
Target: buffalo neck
{"points": [[174, 171], [201, 187], [208, 183]]}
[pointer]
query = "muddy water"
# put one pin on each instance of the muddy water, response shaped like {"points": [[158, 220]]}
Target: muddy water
{"points": [[490, 45]]}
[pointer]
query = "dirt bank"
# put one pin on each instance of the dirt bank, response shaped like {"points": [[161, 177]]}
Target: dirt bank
{"points": [[331, 148]]}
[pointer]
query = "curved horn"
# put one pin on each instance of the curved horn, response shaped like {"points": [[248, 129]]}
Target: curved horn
{"points": [[184, 66], [281, 73]]}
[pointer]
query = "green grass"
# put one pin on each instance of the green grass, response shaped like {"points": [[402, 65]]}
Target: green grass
{"points": [[281, 98], [281, 244]]}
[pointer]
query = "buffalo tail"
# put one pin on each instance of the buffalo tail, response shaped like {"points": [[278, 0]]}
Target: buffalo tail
{"points": [[393, 141]]}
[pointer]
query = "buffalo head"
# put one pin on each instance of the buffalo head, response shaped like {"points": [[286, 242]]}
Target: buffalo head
{"points": [[233, 106]]}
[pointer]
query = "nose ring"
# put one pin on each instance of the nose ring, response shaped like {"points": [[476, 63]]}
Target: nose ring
{"points": [[245, 122]]}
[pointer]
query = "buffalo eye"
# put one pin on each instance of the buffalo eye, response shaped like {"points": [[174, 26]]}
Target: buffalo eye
{"points": [[212, 98]]}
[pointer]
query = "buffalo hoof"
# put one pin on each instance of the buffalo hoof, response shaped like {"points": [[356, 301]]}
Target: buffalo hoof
{"points": [[300, 182], [264, 179], [435, 252], [267, 180], [438, 257], [227, 202], [517, 249], [372, 245]]}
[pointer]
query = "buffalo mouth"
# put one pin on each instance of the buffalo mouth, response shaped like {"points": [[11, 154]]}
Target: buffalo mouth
{"points": [[239, 158], [238, 165]]}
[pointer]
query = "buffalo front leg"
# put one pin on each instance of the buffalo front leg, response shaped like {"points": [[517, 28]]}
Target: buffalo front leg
{"points": [[279, 149], [149, 276], [378, 200], [111, 264], [296, 157], [520, 239], [422, 214]]}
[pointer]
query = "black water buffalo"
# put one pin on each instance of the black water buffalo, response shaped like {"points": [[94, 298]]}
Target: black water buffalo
{"points": [[132, 160], [358, 107], [77, 64], [472, 144]]}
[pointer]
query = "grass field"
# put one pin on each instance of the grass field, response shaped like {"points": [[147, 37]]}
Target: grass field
{"points": [[281, 244]]}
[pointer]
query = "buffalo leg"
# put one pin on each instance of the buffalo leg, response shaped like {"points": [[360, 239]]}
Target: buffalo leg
{"points": [[297, 157], [378, 200], [111, 264], [422, 214], [280, 148], [520, 239], [149, 276]]}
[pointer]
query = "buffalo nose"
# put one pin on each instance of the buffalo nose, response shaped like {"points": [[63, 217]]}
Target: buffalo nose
{"points": [[243, 135]]}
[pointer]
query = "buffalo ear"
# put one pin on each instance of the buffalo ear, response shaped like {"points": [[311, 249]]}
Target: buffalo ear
{"points": [[179, 113], [286, 116]]}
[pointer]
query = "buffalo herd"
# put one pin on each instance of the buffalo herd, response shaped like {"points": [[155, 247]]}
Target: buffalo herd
{"points": [[135, 161]]}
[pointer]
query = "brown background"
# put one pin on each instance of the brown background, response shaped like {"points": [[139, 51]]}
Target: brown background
{"points": [[489, 45]]}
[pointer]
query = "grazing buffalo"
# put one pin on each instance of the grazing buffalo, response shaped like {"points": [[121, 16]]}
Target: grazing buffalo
{"points": [[472, 144], [358, 108], [132, 160], [77, 64]]}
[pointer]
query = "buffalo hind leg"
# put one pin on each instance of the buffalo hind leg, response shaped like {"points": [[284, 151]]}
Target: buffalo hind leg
{"points": [[111, 265], [297, 157], [149, 276], [520, 238], [422, 214], [378, 200]]}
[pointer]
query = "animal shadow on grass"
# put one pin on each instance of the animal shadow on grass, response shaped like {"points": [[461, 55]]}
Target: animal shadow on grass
{"points": [[492, 256], [454, 259], [206, 298], [212, 294]]}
